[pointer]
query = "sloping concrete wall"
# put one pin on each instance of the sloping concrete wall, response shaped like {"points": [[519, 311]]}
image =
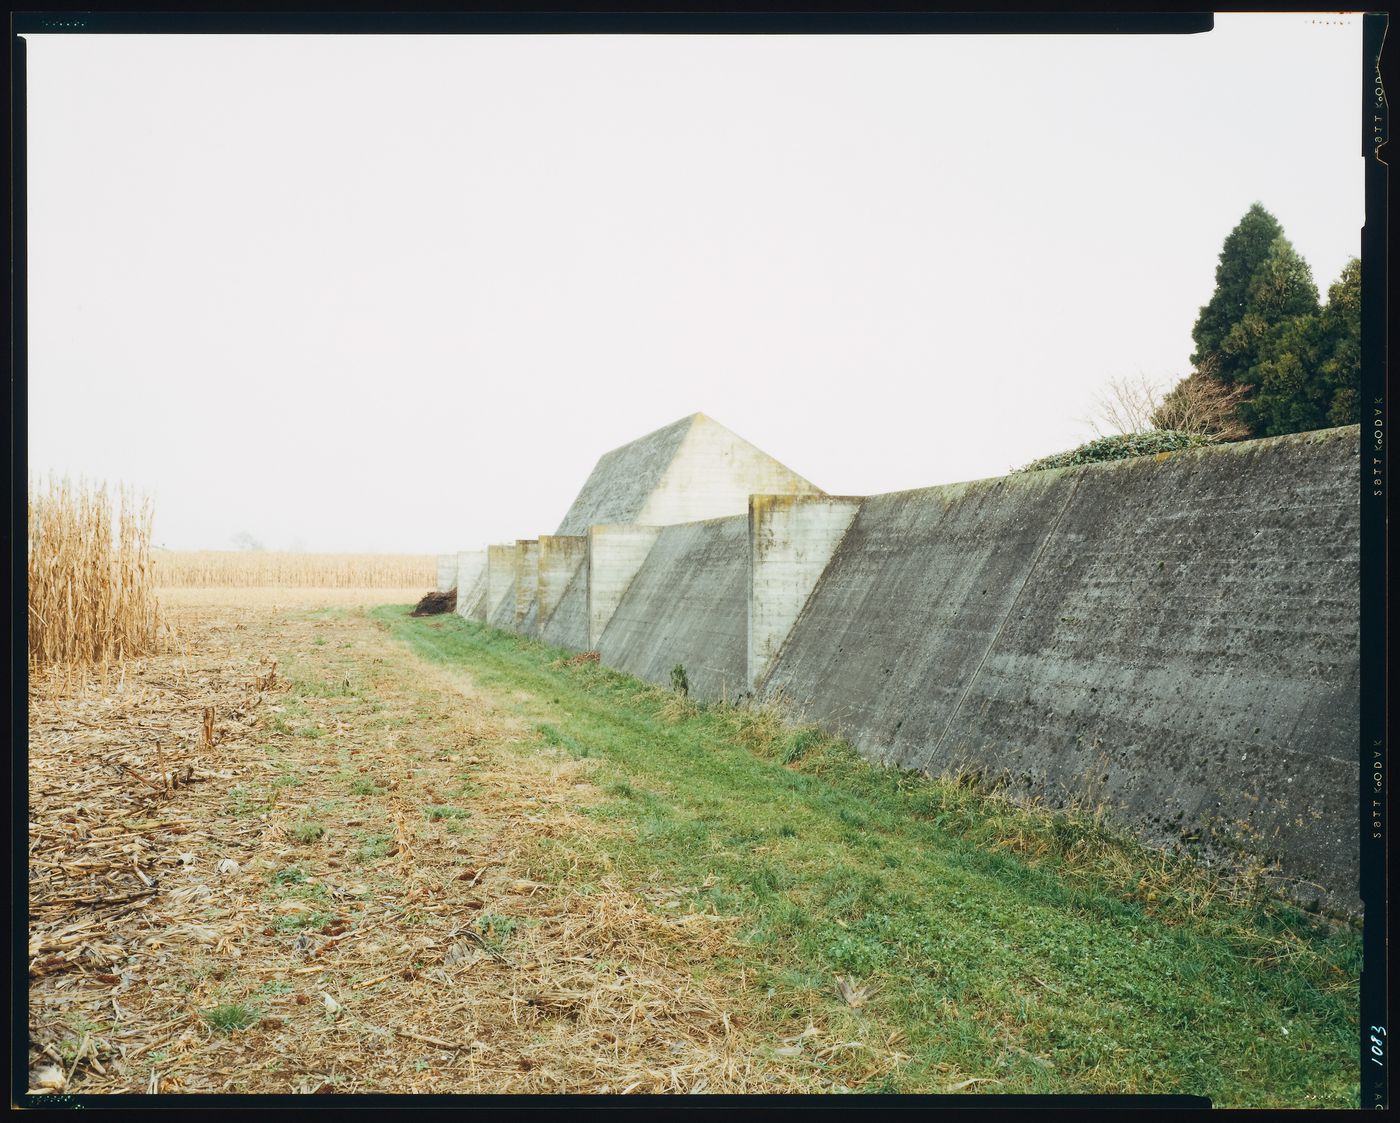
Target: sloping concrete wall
{"points": [[567, 625], [446, 572], [687, 604], [692, 469], [471, 584], [1174, 637]]}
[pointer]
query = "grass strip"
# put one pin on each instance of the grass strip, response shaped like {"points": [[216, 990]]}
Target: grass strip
{"points": [[1027, 949]]}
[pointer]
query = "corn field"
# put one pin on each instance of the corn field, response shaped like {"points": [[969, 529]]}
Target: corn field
{"points": [[267, 568], [91, 591]]}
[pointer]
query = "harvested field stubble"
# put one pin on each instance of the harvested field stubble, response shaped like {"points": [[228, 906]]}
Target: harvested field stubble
{"points": [[336, 890]]}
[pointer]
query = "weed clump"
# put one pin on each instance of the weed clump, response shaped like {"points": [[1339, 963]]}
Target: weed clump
{"points": [[231, 1017], [307, 833]]}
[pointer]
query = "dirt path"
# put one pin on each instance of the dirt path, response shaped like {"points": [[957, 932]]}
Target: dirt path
{"points": [[337, 895]]}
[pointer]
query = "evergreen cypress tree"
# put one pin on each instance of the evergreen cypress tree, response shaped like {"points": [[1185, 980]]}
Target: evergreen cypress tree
{"points": [[1341, 369], [1246, 248], [1307, 367]]}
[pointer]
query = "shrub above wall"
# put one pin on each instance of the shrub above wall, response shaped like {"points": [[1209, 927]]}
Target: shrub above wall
{"points": [[1122, 446]]}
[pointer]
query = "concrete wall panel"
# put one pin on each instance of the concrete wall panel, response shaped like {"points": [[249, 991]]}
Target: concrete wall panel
{"points": [[501, 568], [687, 604], [615, 553], [446, 572], [471, 584], [527, 562], [567, 625], [791, 540], [561, 557]]}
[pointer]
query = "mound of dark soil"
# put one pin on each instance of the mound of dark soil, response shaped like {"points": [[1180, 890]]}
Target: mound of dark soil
{"points": [[435, 604]]}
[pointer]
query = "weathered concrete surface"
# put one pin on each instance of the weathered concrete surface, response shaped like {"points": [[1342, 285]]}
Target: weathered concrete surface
{"points": [[615, 553], [561, 557], [692, 469], [567, 626], [791, 540], [446, 572], [471, 584], [1174, 637], [687, 604], [502, 563], [527, 563], [529, 625]]}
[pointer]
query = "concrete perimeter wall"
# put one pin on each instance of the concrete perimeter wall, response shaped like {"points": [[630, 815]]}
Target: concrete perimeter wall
{"points": [[1174, 637], [687, 604]]}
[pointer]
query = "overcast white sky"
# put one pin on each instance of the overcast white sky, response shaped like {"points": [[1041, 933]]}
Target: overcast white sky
{"points": [[400, 293]]}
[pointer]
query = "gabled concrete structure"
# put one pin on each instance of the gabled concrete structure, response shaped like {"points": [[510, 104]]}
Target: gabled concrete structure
{"points": [[691, 470]]}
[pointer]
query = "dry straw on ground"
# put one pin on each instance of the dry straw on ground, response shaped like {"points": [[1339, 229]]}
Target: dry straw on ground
{"points": [[246, 568], [91, 590], [189, 933]]}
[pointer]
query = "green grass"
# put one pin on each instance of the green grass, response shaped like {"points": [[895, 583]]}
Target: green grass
{"points": [[1042, 952]]}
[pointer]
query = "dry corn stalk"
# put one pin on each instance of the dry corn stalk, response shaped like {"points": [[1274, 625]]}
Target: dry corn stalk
{"points": [[91, 589], [270, 568]]}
